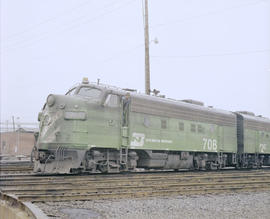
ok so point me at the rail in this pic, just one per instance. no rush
(32, 188)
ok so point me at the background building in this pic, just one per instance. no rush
(17, 140)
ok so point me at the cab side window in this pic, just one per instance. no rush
(112, 100)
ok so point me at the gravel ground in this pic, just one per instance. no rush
(238, 205)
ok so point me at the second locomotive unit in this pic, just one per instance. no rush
(98, 128)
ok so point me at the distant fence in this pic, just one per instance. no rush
(13, 127)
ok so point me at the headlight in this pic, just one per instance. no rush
(50, 100)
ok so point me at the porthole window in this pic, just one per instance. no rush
(181, 126)
(193, 128)
(201, 129)
(146, 122)
(163, 124)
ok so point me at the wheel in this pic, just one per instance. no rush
(103, 167)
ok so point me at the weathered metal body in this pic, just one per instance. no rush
(99, 128)
(253, 140)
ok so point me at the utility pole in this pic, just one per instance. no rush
(13, 123)
(146, 41)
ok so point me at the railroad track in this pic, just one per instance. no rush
(32, 188)
(18, 167)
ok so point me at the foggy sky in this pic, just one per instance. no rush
(215, 51)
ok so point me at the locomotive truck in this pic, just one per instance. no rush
(100, 128)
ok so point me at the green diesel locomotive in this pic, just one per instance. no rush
(99, 128)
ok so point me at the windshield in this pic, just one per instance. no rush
(71, 92)
(92, 93)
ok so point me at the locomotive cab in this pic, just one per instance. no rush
(73, 129)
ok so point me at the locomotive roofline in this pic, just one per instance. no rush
(255, 118)
(168, 101)
(107, 89)
(255, 122)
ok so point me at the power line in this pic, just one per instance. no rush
(213, 55)
(37, 25)
(74, 26)
(77, 19)
(210, 13)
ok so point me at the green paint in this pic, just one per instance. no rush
(256, 141)
(172, 138)
(102, 128)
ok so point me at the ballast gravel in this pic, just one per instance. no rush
(238, 205)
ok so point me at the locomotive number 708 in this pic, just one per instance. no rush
(209, 144)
